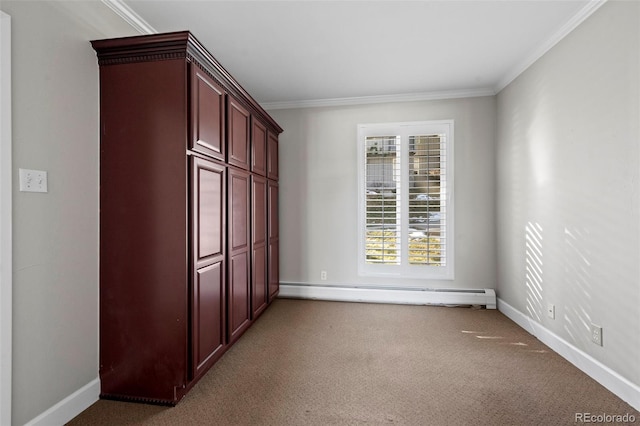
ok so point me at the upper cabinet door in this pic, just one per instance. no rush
(272, 156)
(207, 115)
(258, 147)
(238, 128)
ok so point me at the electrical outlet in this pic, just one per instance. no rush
(596, 334)
(33, 180)
(323, 275)
(551, 311)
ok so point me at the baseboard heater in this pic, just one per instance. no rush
(411, 296)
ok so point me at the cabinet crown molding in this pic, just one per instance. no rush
(176, 45)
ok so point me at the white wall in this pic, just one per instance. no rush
(55, 235)
(568, 167)
(319, 197)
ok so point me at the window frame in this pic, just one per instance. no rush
(404, 130)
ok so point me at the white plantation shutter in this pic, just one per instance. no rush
(383, 199)
(427, 200)
(406, 184)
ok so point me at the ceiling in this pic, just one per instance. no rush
(286, 53)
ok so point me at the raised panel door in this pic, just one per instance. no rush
(239, 293)
(260, 280)
(273, 240)
(238, 128)
(272, 156)
(274, 268)
(208, 211)
(208, 314)
(273, 200)
(208, 292)
(208, 113)
(258, 210)
(238, 210)
(259, 244)
(258, 147)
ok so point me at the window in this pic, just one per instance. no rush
(405, 199)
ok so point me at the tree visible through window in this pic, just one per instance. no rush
(405, 207)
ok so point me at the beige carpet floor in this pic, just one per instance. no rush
(330, 363)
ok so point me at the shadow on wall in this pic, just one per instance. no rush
(600, 270)
(591, 269)
(533, 270)
(577, 264)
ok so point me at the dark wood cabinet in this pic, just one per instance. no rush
(274, 240)
(260, 291)
(182, 271)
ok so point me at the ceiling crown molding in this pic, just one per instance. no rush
(143, 27)
(131, 17)
(576, 20)
(362, 100)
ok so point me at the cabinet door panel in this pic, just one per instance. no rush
(239, 310)
(259, 277)
(258, 147)
(208, 323)
(274, 230)
(259, 210)
(238, 128)
(259, 244)
(272, 156)
(239, 253)
(208, 108)
(208, 291)
(208, 205)
(239, 210)
(274, 268)
(273, 238)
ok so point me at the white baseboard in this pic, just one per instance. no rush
(407, 296)
(70, 407)
(620, 386)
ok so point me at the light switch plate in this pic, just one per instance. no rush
(33, 180)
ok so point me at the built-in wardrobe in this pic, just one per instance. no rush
(188, 214)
